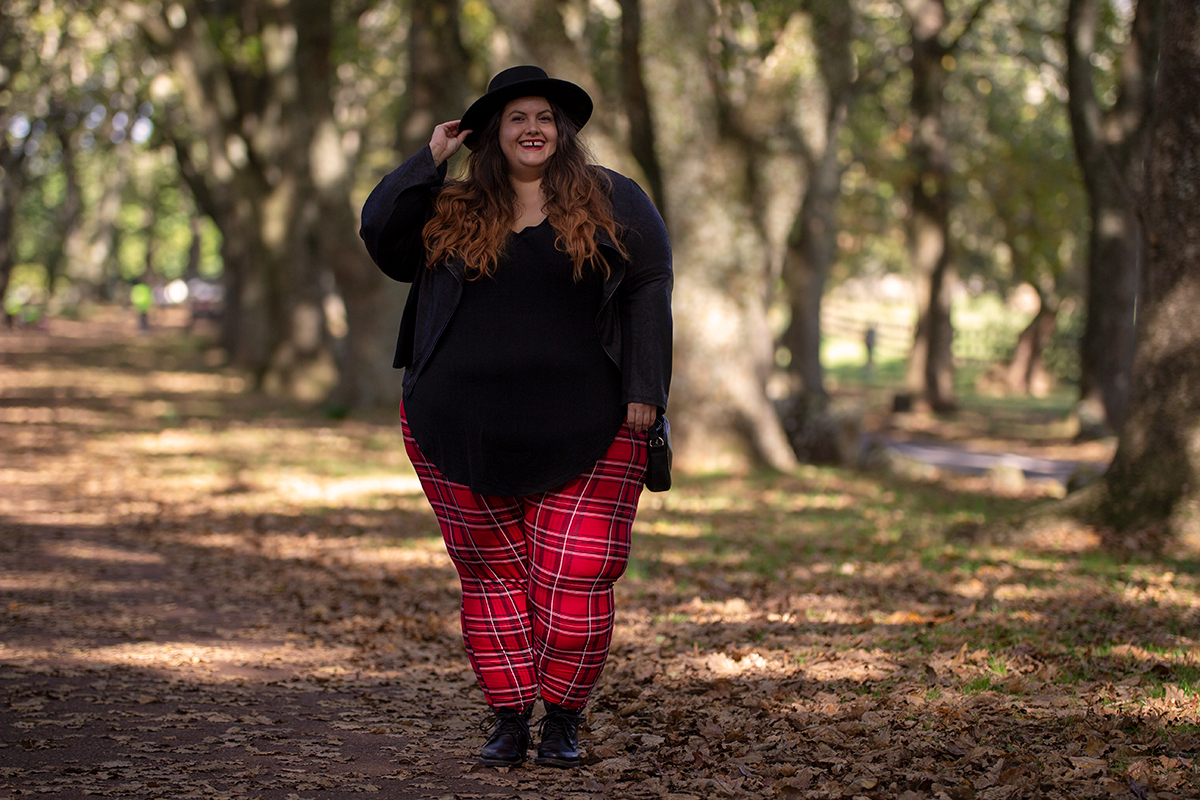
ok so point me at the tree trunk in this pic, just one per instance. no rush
(12, 154)
(267, 161)
(642, 140)
(244, 327)
(812, 243)
(930, 373)
(1026, 373)
(192, 270)
(10, 197)
(1110, 148)
(68, 216)
(724, 349)
(438, 83)
(99, 268)
(1154, 482)
(329, 235)
(233, 140)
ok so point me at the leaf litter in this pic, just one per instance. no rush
(204, 594)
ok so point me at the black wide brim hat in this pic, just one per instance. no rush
(524, 81)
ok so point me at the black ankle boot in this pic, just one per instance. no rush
(509, 742)
(560, 737)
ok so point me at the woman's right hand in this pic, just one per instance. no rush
(446, 140)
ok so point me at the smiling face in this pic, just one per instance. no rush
(528, 136)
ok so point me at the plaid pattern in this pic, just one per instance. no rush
(537, 573)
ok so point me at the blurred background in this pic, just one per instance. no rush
(880, 209)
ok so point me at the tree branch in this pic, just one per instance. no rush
(980, 7)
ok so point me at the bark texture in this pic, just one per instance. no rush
(930, 374)
(1154, 482)
(1026, 372)
(261, 149)
(812, 242)
(438, 83)
(711, 129)
(642, 139)
(1110, 145)
(10, 197)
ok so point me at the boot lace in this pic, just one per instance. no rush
(504, 720)
(559, 722)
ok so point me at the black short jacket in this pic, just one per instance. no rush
(634, 322)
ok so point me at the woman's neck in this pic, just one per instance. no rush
(529, 202)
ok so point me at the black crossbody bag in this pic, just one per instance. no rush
(658, 467)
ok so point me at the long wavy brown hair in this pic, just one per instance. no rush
(472, 218)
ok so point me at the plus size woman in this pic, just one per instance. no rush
(536, 341)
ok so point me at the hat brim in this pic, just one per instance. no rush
(572, 99)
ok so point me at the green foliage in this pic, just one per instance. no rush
(82, 72)
(1019, 211)
(103, 199)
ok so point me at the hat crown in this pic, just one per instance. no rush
(516, 75)
(525, 81)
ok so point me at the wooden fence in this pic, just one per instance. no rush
(893, 324)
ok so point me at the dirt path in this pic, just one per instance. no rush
(154, 647)
(138, 665)
(205, 595)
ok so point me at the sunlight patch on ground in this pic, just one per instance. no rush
(431, 553)
(682, 529)
(197, 662)
(312, 489)
(94, 552)
(792, 501)
(42, 415)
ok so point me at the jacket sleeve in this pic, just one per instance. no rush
(396, 211)
(645, 300)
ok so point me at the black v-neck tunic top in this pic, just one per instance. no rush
(519, 396)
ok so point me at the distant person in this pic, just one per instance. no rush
(142, 297)
(537, 346)
(869, 343)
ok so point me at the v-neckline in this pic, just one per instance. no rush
(532, 227)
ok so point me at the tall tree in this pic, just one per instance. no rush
(642, 138)
(812, 242)
(1154, 482)
(70, 212)
(12, 148)
(259, 137)
(10, 193)
(718, 78)
(930, 372)
(1110, 144)
(438, 72)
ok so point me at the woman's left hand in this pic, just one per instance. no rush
(640, 416)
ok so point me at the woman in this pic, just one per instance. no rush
(537, 343)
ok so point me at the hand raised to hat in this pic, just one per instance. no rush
(446, 140)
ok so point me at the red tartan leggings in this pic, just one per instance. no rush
(537, 573)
